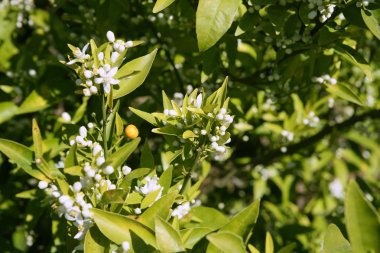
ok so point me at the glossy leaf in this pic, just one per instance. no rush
(122, 154)
(95, 241)
(242, 223)
(7, 111)
(269, 247)
(168, 239)
(353, 57)
(191, 236)
(208, 217)
(117, 227)
(141, 67)
(362, 221)
(161, 4)
(22, 156)
(34, 102)
(213, 19)
(227, 242)
(344, 92)
(160, 208)
(145, 116)
(334, 241)
(371, 22)
(37, 139)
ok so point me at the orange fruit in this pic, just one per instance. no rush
(131, 131)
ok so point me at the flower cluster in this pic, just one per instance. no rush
(325, 9)
(364, 3)
(72, 206)
(22, 7)
(311, 120)
(98, 72)
(325, 79)
(150, 184)
(195, 123)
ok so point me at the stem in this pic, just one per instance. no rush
(104, 114)
(188, 174)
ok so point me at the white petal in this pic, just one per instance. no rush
(98, 80)
(114, 81)
(85, 48)
(107, 88)
(112, 72)
(110, 36)
(102, 72)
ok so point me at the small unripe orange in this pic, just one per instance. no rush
(131, 131)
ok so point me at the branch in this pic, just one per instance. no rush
(293, 148)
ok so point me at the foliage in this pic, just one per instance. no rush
(126, 169)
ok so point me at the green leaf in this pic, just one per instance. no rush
(227, 242)
(161, 4)
(147, 159)
(288, 248)
(243, 222)
(71, 159)
(73, 171)
(334, 241)
(168, 130)
(37, 140)
(269, 247)
(208, 217)
(352, 56)
(22, 156)
(213, 19)
(189, 134)
(160, 208)
(78, 115)
(29, 194)
(119, 125)
(114, 196)
(150, 199)
(168, 239)
(140, 65)
(122, 154)
(145, 116)
(34, 102)
(191, 236)
(371, 22)
(362, 221)
(343, 91)
(117, 227)
(95, 241)
(166, 179)
(137, 173)
(7, 111)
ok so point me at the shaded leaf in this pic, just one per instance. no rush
(362, 221)
(343, 91)
(95, 242)
(371, 22)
